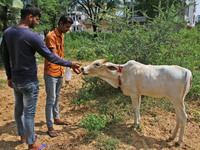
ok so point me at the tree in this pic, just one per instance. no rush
(9, 13)
(51, 10)
(149, 6)
(96, 9)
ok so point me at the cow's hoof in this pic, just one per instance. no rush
(177, 144)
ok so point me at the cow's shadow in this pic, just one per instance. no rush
(128, 135)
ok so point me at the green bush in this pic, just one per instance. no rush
(77, 45)
(2, 81)
(194, 93)
(94, 122)
(107, 144)
(196, 115)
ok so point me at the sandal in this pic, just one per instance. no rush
(52, 133)
(44, 146)
(36, 136)
(63, 123)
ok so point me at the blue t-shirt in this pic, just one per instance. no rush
(19, 46)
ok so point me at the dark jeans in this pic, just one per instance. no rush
(26, 96)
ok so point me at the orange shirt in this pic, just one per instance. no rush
(56, 40)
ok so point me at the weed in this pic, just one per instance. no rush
(94, 122)
(107, 143)
(153, 114)
(137, 127)
(84, 96)
(40, 85)
(196, 115)
(148, 103)
(2, 81)
(78, 102)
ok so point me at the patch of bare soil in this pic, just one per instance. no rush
(155, 130)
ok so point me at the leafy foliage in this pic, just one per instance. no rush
(94, 122)
(196, 115)
(51, 11)
(9, 13)
(149, 7)
(107, 144)
(2, 82)
(96, 10)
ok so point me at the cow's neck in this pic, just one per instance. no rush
(115, 79)
(111, 81)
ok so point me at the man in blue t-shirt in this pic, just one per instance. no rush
(19, 46)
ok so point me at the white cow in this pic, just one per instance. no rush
(136, 79)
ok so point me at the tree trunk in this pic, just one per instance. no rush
(54, 22)
(94, 30)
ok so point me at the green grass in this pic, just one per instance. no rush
(107, 143)
(2, 82)
(196, 115)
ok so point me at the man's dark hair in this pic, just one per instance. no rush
(65, 19)
(30, 9)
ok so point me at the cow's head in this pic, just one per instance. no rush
(104, 70)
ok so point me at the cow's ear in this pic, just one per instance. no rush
(104, 61)
(111, 68)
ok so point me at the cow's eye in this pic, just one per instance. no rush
(97, 64)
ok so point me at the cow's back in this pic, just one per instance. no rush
(154, 80)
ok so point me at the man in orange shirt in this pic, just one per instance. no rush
(53, 74)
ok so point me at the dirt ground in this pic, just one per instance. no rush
(153, 136)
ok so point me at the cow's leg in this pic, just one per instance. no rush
(181, 118)
(136, 100)
(175, 130)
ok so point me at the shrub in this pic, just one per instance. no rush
(107, 144)
(2, 81)
(94, 122)
(196, 115)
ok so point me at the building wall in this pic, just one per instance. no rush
(190, 13)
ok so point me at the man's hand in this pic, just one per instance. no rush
(75, 66)
(10, 83)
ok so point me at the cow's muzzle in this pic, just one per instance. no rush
(83, 71)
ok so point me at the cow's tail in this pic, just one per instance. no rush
(188, 83)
